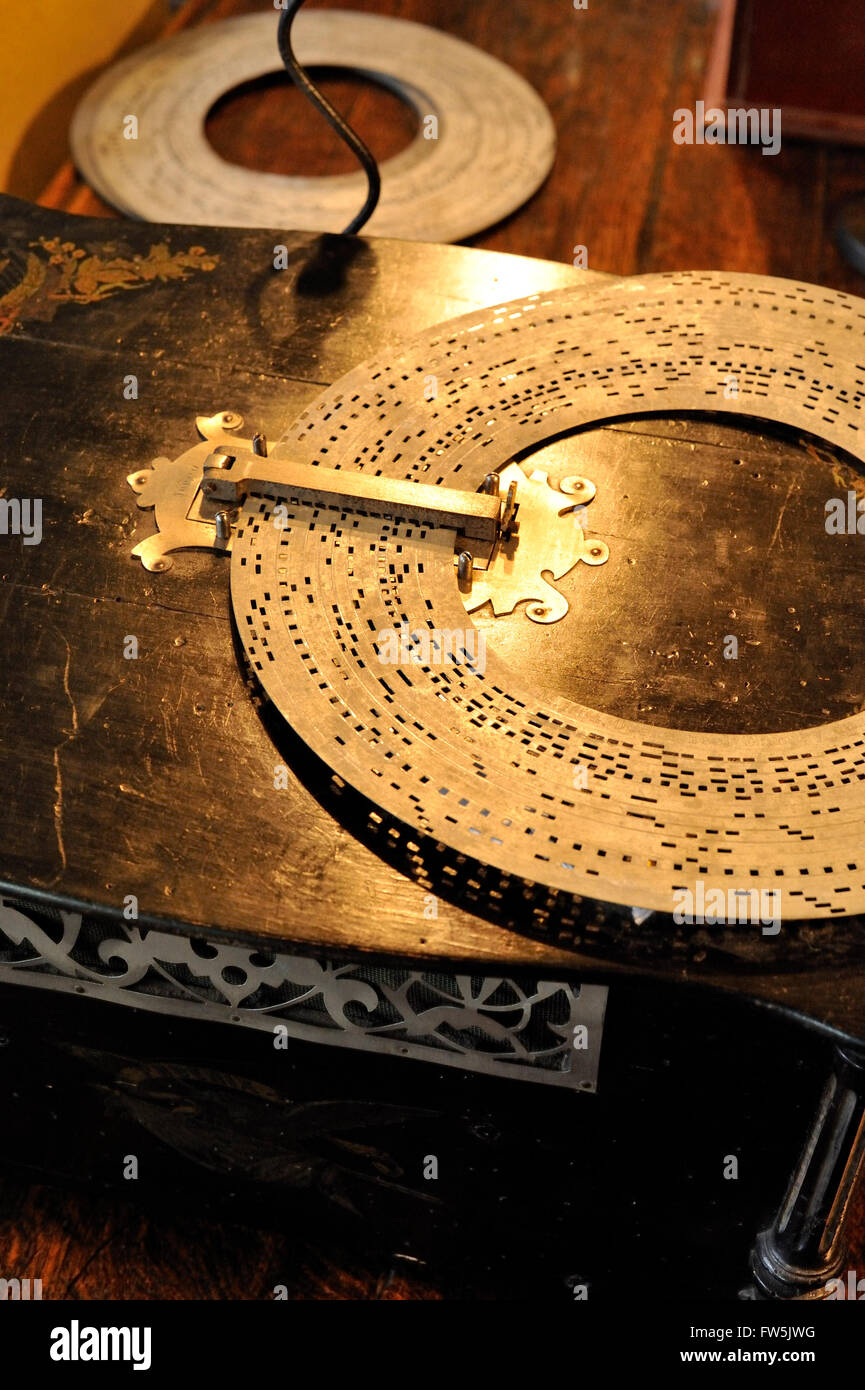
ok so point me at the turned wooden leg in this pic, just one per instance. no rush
(805, 1246)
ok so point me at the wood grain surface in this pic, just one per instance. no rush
(612, 76)
(123, 775)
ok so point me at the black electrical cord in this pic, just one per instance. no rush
(302, 79)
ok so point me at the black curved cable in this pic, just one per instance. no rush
(302, 79)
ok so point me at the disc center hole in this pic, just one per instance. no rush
(268, 125)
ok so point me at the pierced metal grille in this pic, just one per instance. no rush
(525, 1031)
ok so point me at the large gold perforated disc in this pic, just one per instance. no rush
(482, 761)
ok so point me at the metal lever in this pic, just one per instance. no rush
(229, 476)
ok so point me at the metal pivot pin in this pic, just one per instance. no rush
(465, 567)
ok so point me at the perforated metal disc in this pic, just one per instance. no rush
(495, 142)
(484, 763)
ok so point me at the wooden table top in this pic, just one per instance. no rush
(154, 776)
